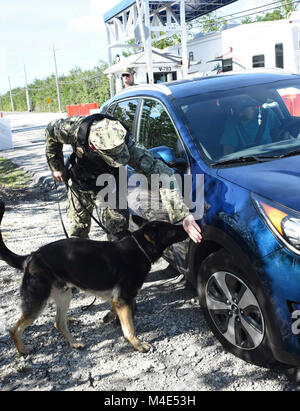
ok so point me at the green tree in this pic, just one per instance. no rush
(279, 13)
(209, 23)
(167, 42)
(77, 87)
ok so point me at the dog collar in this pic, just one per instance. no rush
(141, 248)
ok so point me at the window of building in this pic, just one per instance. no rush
(258, 61)
(163, 77)
(279, 55)
(227, 65)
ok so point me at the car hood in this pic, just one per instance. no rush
(278, 180)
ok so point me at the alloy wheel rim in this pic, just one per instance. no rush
(234, 310)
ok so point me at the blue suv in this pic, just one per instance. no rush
(242, 133)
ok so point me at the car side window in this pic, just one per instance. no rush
(110, 110)
(156, 128)
(125, 112)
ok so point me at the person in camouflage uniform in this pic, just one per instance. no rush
(108, 146)
(127, 77)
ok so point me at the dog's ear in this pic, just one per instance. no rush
(149, 239)
(2, 209)
(139, 221)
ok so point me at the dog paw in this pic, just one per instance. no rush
(25, 350)
(109, 317)
(78, 345)
(143, 346)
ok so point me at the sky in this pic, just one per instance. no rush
(30, 28)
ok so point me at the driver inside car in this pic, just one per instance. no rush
(248, 125)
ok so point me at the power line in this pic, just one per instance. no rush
(82, 79)
(216, 20)
(41, 88)
(66, 82)
(254, 8)
(30, 88)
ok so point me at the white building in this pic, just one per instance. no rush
(270, 44)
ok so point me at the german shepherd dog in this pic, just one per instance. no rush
(113, 271)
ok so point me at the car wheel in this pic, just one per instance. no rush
(231, 302)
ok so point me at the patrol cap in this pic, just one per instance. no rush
(128, 70)
(108, 139)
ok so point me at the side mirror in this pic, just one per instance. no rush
(163, 153)
(167, 155)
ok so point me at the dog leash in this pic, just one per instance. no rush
(60, 213)
(98, 222)
(141, 248)
(95, 219)
(85, 307)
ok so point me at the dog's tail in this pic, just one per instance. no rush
(12, 259)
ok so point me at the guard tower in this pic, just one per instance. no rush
(149, 21)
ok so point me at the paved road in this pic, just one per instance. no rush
(29, 143)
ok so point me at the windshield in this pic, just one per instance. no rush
(260, 121)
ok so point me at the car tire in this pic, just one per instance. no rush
(232, 304)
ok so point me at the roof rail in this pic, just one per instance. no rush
(158, 87)
(274, 70)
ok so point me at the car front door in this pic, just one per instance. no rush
(157, 132)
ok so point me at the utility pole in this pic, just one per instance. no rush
(143, 10)
(27, 93)
(11, 96)
(183, 40)
(57, 83)
(110, 62)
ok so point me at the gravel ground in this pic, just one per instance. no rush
(185, 354)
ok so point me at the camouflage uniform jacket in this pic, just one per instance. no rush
(64, 131)
(131, 85)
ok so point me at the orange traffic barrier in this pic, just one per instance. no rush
(81, 109)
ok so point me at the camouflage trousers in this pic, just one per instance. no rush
(81, 204)
(150, 207)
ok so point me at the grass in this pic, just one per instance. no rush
(11, 176)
